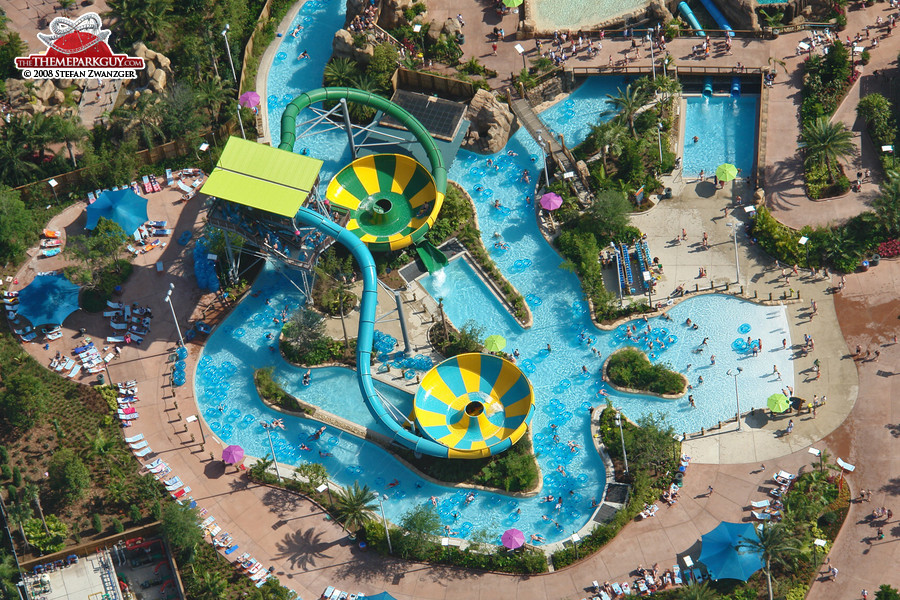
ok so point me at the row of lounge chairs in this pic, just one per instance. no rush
(92, 196)
(331, 593)
(645, 585)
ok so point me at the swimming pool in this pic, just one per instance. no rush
(726, 132)
(575, 14)
(232, 409)
(584, 108)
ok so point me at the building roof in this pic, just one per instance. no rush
(263, 177)
(440, 117)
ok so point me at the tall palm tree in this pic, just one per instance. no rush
(609, 139)
(19, 514)
(15, 168)
(776, 545)
(39, 133)
(887, 205)
(366, 83)
(32, 493)
(212, 93)
(340, 72)
(69, 129)
(356, 506)
(697, 591)
(626, 104)
(826, 143)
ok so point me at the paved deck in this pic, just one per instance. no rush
(310, 553)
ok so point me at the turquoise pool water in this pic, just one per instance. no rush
(726, 132)
(574, 14)
(231, 408)
(574, 116)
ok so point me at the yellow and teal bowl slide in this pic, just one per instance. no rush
(391, 198)
(475, 404)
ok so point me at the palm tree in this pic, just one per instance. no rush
(340, 72)
(366, 83)
(213, 586)
(773, 21)
(19, 514)
(9, 572)
(69, 129)
(626, 105)
(826, 143)
(776, 546)
(32, 493)
(608, 137)
(697, 591)
(39, 133)
(887, 205)
(211, 94)
(356, 506)
(15, 168)
(840, 247)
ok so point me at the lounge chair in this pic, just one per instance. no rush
(132, 249)
(784, 477)
(185, 188)
(112, 313)
(626, 589)
(642, 587)
(185, 490)
(214, 530)
(676, 575)
(139, 445)
(262, 581)
(328, 591)
(169, 180)
(616, 589)
(760, 504)
(603, 595)
(698, 575)
(173, 484)
(74, 372)
(144, 452)
(119, 327)
(135, 188)
(154, 463)
(162, 232)
(207, 522)
(91, 197)
(115, 339)
(29, 337)
(161, 472)
(147, 187)
(157, 224)
(134, 439)
(154, 183)
(128, 417)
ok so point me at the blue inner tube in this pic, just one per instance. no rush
(744, 329)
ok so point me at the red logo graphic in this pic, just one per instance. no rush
(79, 44)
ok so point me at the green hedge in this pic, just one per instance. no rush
(630, 368)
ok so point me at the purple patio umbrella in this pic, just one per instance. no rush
(233, 455)
(513, 538)
(551, 201)
(249, 99)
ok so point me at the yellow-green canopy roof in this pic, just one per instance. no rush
(262, 177)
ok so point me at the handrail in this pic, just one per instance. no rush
(680, 69)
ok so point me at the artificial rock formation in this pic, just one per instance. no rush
(491, 123)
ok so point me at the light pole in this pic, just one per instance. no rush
(737, 397)
(325, 488)
(387, 534)
(168, 300)
(540, 140)
(622, 435)
(53, 183)
(802, 241)
(737, 262)
(266, 425)
(652, 56)
(659, 128)
(521, 50)
(234, 75)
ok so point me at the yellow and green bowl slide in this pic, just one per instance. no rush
(475, 404)
(391, 198)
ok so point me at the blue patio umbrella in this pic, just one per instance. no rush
(122, 206)
(381, 596)
(721, 555)
(48, 300)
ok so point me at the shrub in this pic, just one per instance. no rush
(632, 369)
(134, 513)
(865, 57)
(97, 523)
(45, 542)
(4, 455)
(16, 476)
(117, 524)
(68, 476)
(5, 472)
(22, 405)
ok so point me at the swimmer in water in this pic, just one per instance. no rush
(303, 55)
(394, 483)
(304, 447)
(433, 500)
(696, 139)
